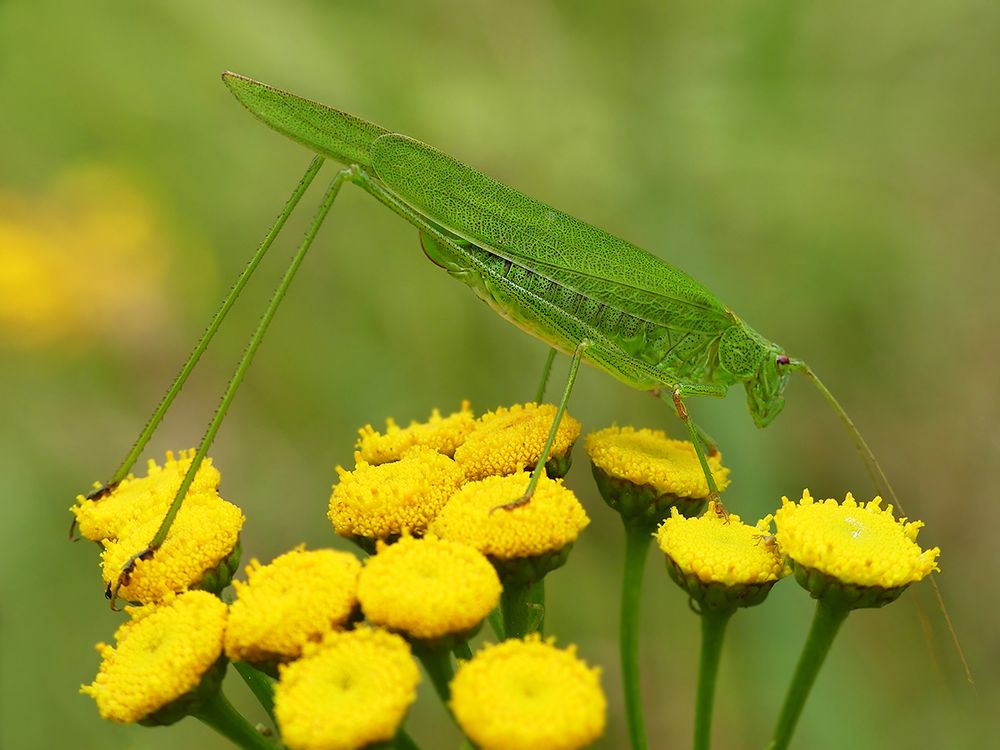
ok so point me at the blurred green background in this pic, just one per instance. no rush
(831, 171)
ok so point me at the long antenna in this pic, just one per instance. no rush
(882, 483)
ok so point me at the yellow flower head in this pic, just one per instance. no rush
(201, 551)
(442, 434)
(88, 260)
(720, 561)
(294, 600)
(509, 440)
(135, 500)
(858, 544)
(549, 522)
(351, 691)
(648, 458)
(162, 655)
(376, 502)
(528, 695)
(428, 588)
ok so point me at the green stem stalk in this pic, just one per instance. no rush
(437, 664)
(546, 371)
(825, 624)
(260, 685)
(713, 630)
(405, 741)
(637, 539)
(219, 714)
(515, 603)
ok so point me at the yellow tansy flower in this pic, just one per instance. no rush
(201, 551)
(552, 520)
(162, 656)
(857, 544)
(510, 440)
(378, 502)
(442, 434)
(719, 560)
(88, 260)
(350, 692)
(428, 588)
(528, 695)
(641, 473)
(137, 499)
(294, 600)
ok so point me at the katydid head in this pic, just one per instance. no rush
(766, 387)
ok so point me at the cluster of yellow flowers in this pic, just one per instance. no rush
(435, 506)
(340, 635)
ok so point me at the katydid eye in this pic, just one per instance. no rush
(783, 359)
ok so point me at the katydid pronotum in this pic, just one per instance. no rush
(579, 289)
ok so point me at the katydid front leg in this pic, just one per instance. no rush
(697, 436)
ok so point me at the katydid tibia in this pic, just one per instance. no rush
(579, 289)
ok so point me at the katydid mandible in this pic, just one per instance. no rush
(579, 289)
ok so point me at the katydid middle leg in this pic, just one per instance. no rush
(574, 367)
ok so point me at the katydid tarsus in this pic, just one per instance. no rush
(579, 289)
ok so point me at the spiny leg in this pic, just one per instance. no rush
(677, 396)
(175, 387)
(540, 464)
(234, 384)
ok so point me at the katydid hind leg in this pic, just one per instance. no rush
(574, 367)
(233, 386)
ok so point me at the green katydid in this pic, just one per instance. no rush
(577, 288)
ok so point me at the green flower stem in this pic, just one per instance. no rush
(536, 602)
(515, 602)
(713, 630)
(637, 539)
(825, 625)
(496, 623)
(462, 650)
(405, 741)
(437, 664)
(219, 714)
(260, 685)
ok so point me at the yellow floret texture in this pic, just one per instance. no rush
(428, 588)
(351, 691)
(717, 549)
(137, 499)
(441, 434)
(857, 543)
(161, 654)
(204, 533)
(509, 440)
(649, 457)
(380, 501)
(551, 520)
(528, 695)
(294, 600)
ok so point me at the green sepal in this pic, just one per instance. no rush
(643, 505)
(840, 594)
(218, 578)
(557, 467)
(717, 596)
(191, 701)
(526, 571)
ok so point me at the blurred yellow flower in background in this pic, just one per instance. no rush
(87, 260)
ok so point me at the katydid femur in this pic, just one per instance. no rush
(579, 289)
